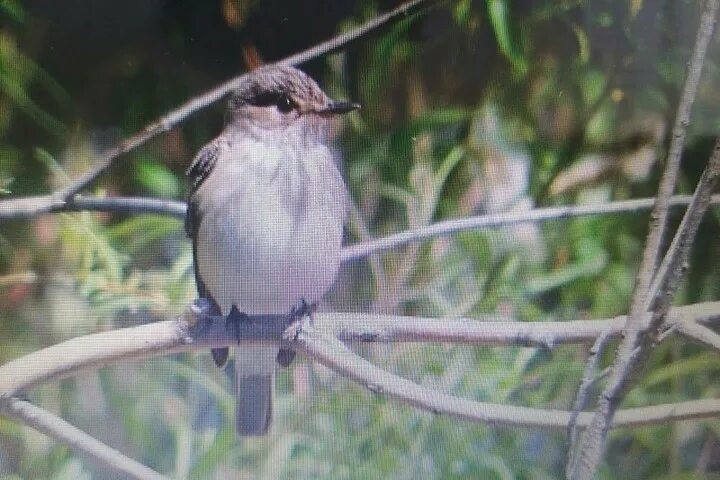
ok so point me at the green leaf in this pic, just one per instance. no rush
(462, 11)
(20, 98)
(499, 12)
(14, 9)
(157, 178)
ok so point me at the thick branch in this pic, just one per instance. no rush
(588, 379)
(668, 276)
(93, 351)
(333, 354)
(634, 348)
(58, 429)
(96, 350)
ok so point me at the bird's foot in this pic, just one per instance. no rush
(232, 324)
(197, 313)
(299, 314)
(233, 321)
(301, 310)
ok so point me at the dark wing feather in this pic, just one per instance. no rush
(197, 173)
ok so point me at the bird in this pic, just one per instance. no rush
(266, 210)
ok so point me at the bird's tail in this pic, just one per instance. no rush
(254, 384)
(253, 411)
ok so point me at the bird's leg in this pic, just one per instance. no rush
(233, 321)
(299, 312)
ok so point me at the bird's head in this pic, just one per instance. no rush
(279, 97)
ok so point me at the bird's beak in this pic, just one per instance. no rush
(340, 107)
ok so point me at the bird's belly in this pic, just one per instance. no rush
(262, 259)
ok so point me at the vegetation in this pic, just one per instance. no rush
(469, 107)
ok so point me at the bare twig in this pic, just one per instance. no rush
(587, 381)
(28, 207)
(673, 264)
(700, 334)
(58, 429)
(634, 346)
(646, 329)
(341, 41)
(201, 101)
(449, 227)
(32, 206)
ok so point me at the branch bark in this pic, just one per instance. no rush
(20, 208)
(333, 354)
(58, 429)
(193, 331)
(643, 331)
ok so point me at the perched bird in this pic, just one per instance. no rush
(266, 212)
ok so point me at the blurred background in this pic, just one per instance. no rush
(469, 107)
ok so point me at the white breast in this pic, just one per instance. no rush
(271, 225)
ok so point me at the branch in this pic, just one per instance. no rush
(28, 207)
(588, 379)
(636, 344)
(449, 227)
(700, 334)
(58, 429)
(639, 336)
(333, 354)
(192, 331)
(199, 102)
(673, 265)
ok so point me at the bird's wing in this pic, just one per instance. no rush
(201, 167)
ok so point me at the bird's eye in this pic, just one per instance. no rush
(285, 104)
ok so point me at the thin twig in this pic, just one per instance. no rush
(669, 270)
(58, 429)
(449, 227)
(201, 101)
(700, 334)
(28, 207)
(634, 346)
(20, 208)
(588, 379)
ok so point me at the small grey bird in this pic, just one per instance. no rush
(265, 214)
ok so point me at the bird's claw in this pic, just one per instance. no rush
(299, 315)
(301, 310)
(233, 321)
